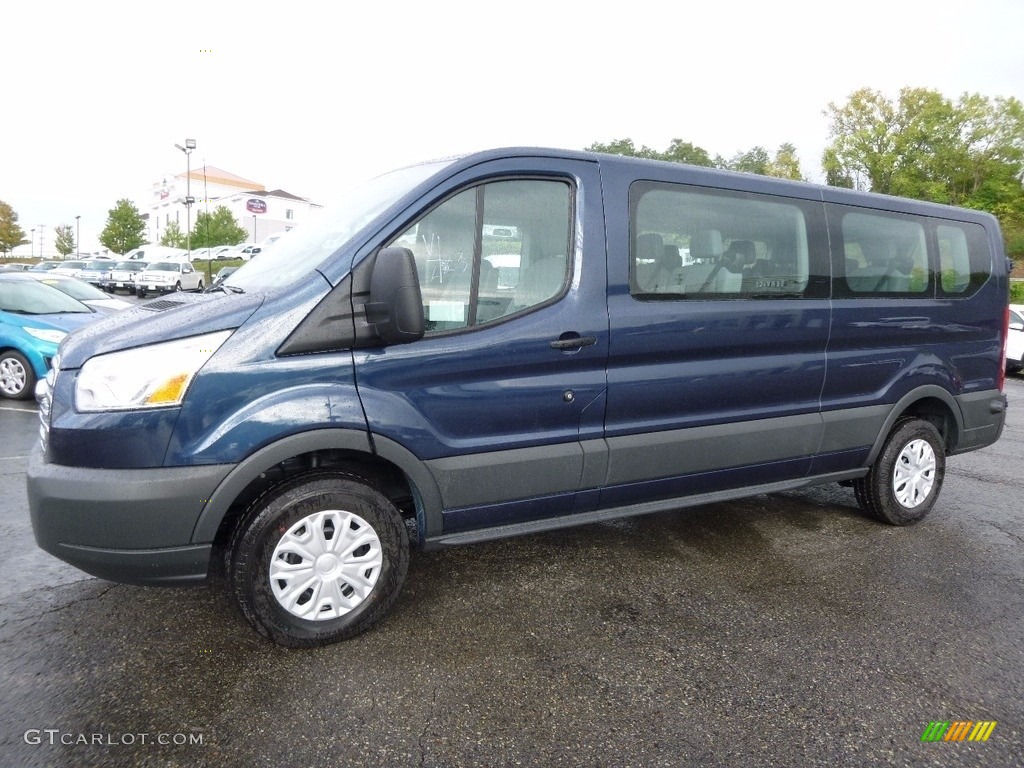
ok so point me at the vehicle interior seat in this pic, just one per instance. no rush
(883, 273)
(649, 254)
(706, 251)
(538, 282)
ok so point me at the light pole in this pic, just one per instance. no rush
(78, 236)
(190, 144)
(32, 246)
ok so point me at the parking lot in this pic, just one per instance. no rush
(782, 630)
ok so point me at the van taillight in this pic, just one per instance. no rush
(1001, 374)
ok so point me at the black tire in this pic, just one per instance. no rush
(276, 515)
(17, 377)
(200, 288)
(908, 446)
(141, 293)
(177, 287)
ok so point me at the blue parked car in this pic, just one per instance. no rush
(512, 342)
(34, 319)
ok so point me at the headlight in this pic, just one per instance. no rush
(46, 334)
(156, 376)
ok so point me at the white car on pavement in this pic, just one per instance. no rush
(1015, 339)
(168, 276)
(69, 268)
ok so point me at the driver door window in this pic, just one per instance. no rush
(492, 251)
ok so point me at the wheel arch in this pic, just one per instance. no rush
(405, 482)
(931, 403)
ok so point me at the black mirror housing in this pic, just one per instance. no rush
(395, 308)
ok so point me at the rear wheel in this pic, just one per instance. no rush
(200, 288)
(318, 559)
(906, 478)
(177, 287)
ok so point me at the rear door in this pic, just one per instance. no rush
(504, 397)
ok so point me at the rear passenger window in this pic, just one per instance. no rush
(884, 254)
(964, 259)
(492, 251)
(696, 244)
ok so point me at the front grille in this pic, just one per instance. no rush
(43, 396)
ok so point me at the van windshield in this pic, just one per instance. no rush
(307, 246)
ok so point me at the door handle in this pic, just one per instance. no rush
(568, 341)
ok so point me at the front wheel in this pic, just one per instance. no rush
(200, 288)
(906, 478)
(17, 378)
(318, 559)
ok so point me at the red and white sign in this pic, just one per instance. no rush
(252, 205)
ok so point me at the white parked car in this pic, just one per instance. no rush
(69, 268)
(95, 272)
(167, 276)
(122, 276)
(1015, 339)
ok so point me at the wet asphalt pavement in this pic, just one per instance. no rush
(783, 630)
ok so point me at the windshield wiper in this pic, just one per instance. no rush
(226, 288)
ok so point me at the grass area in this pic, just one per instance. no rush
(1017, 291)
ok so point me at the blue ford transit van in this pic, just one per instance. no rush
(509, 342)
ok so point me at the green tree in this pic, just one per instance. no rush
(64, 241)
(173, 237)
(11, 235)
(622, 147)
(925, 146)
(786, 163)
(678, 151)
(217, 228)
(124, 229)
(755, 160)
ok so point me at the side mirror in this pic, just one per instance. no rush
(395, 308)
(1017, 326)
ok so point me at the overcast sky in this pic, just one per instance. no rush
(314, 98)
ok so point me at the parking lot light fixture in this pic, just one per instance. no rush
(78, 236)
(190, 144)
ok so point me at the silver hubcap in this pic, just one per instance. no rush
(12, 376)
(914, 475)
(325, 565)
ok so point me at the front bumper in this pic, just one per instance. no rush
(132, 526)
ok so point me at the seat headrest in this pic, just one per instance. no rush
(742, 252)
(706, 244)
(671, 259)
(649, 246)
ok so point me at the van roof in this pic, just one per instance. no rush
(704, 176)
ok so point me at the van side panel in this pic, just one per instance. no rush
(701, 385)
